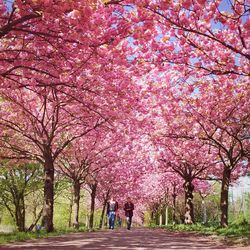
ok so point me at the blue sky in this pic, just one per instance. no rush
(9, 3)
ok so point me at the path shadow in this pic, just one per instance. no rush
(122, 239)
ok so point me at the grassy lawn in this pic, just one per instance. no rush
(22, 236)
(234, 234)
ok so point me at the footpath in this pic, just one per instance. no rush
(122, 239)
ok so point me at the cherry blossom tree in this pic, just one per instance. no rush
(220, 120)
(123, 177)
(83, 161)
(143, 68)
(190, 160)
(39, 128)
(52, 70)
(180, 35)
(44, 43)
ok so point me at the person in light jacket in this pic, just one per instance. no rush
(112, 208)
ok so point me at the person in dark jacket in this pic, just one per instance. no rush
(112, 208)
(129, 208)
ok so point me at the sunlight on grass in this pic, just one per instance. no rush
(234, 233)
(22, 236)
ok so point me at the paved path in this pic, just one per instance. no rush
(122, 239)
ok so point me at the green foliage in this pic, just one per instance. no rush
(61, 214)
(235, 230)
(21, 236)
(232, 230)
(235, 233)
(241, 220)
(16, 183)
(212, 203)
(19, 180)
(6, 218)
(239, 208)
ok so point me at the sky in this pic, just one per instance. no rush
(9, 3)
(242, 186)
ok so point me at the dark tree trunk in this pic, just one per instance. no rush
(174, 195)
(71, 208)
(102, 215)
(92, 206)
(224, 196)
(189, 206)
(23, 212)
(152, 216)
(34, 212)
(76, 201)
(48, 208)
(103, 209)
(20, 213)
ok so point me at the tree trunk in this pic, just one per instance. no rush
(224, 196)
(189, 206)
(102, 215)
(76, 202)
(204, 210)
(103, 210)
(166, 215)
(20, 213)
(23, 212)
(92, 206)
(152, 216)
(34, 212)
(87, 221)
(71, 208)
(48, 193)
(174, 195)
(160, 218)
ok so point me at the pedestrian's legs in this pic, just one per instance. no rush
(129, 220)
(112, 220)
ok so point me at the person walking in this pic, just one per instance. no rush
(112, 208)
(129, 208)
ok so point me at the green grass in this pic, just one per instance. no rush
(233, 234)
(22, 236)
